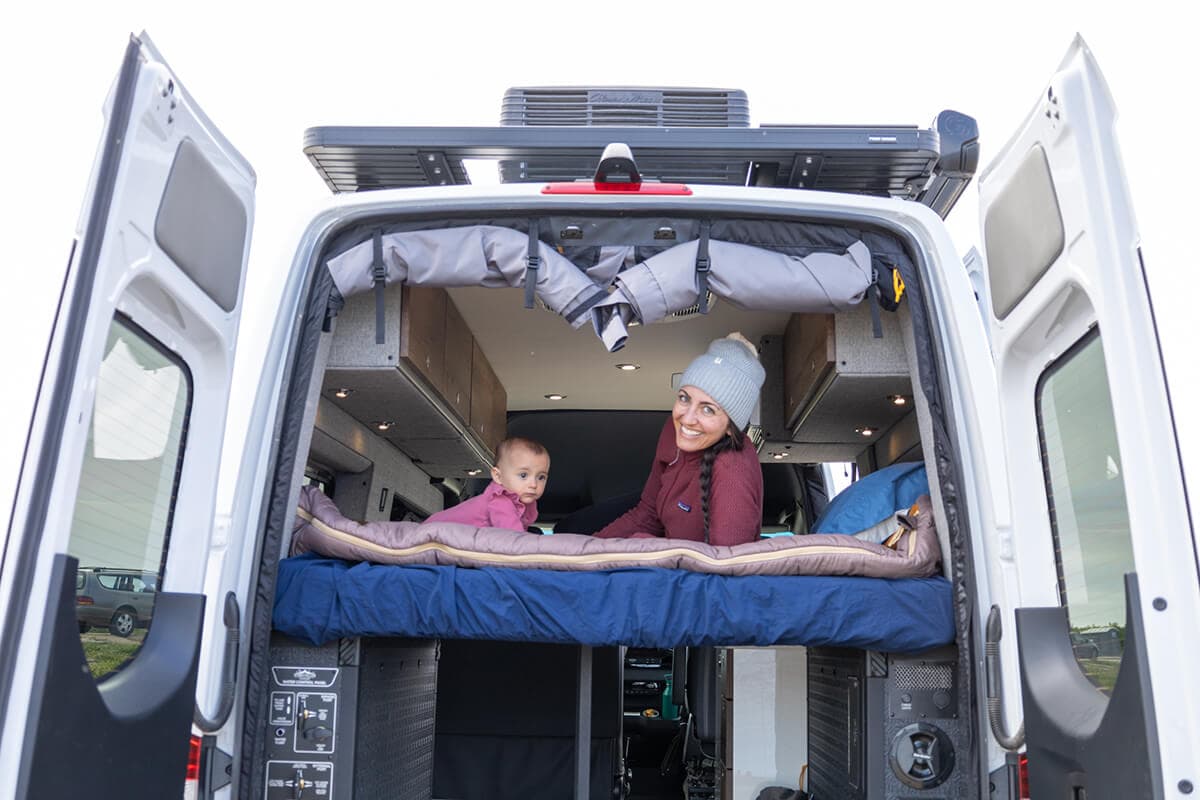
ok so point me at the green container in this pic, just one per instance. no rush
(669, 711)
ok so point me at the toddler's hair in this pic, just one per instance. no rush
(537, 448)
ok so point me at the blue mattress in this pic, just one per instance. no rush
(319, 599)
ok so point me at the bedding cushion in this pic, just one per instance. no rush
(320, 599)
(321, 528)
(873, 498)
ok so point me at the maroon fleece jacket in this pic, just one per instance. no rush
(670, 503)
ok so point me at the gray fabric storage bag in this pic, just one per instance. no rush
(661, 285)
(747, 276)
(482, 255)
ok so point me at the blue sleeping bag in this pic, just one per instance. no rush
(873, 498)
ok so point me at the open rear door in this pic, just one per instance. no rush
(102, 574)
(1098, 564)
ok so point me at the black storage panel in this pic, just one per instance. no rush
(351, 719)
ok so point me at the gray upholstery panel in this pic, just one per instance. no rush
(1022, 232)
(202, 225)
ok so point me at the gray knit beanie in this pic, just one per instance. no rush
(730, 373)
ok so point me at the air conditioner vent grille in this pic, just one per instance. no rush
(625, 106)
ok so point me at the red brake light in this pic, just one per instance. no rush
(590, 187)
(84, 600)
(1023, 776)
(193, 763)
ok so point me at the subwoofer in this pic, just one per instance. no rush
(887, 726)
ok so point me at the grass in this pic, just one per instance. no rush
(1102, 672)
(106, 653)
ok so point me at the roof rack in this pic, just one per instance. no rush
(932, 166)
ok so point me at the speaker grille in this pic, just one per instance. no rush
(923, 676)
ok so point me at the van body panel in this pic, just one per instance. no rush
(1092, 459)
(141, 278)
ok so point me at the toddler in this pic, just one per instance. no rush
(510, 500)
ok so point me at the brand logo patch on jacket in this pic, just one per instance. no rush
(684, 506)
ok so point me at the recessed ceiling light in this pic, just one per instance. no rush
(383, 424)
(628, 367)
(474, 472)
(867, 431)
(556, 396)
(778, 455)
(343, 393)
(898, 399)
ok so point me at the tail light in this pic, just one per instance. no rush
(631, 187)
(1023, 777)
(191, 786)
(84, 600)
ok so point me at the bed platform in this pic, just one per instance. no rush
(321, 599)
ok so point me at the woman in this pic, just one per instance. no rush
(706, 483)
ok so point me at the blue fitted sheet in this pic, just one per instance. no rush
(319, 599)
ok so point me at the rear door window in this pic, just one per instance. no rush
(123, 511)
(1085, 484)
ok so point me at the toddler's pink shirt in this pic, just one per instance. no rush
(494, 507)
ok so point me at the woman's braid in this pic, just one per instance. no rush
(733, 441)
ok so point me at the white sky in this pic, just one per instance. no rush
(265, 72)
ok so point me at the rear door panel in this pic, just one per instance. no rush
(1100, 543)
(122, 463)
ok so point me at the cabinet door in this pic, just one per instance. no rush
(808, 355)
(489, 402)
(423, 333)
(460, 345)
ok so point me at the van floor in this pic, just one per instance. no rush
(649, 781)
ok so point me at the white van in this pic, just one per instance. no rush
(1028, 386)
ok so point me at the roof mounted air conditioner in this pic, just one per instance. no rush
(637, 106)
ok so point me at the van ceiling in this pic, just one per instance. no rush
(535, 353)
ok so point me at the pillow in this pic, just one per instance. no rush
(873, 498)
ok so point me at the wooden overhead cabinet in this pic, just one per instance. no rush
(489, 401)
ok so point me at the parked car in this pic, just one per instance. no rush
(119, 599)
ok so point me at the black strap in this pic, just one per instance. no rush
(586, 306)
(703, 265)
(873, 301)
(379, 272)
(532, 262)
(332, 308)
